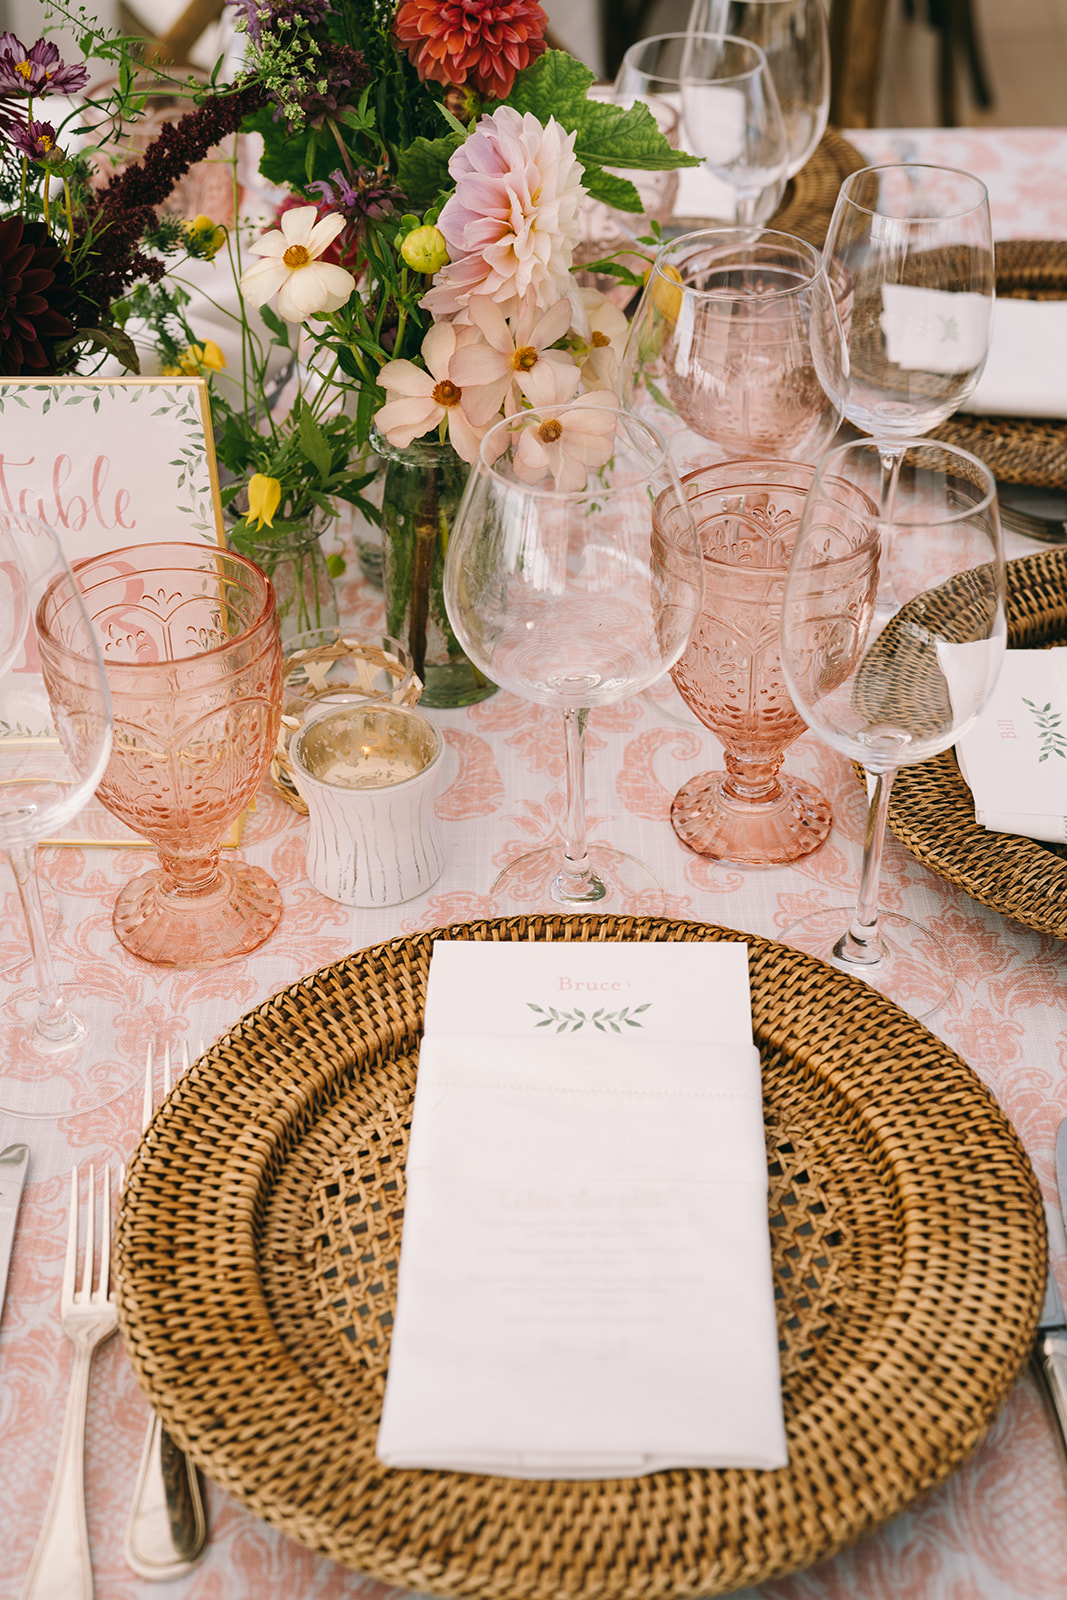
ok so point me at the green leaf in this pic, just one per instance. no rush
(619, 193)
(279, 328)
(313, 442)
(453, 122)
(422, 170)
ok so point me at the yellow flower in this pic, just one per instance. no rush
(264, 498)
(195, 359)
(207, 235)
(425, 250)
(666, 290)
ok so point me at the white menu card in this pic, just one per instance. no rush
(585, 1281)
(1014, 758)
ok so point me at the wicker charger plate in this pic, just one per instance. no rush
(931, 809)
(258, 1246)
(1029, 450)
(810, 196)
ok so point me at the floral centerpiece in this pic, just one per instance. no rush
(429, 161)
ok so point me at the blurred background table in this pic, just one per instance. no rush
(998, 1529)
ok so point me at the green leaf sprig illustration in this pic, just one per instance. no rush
(1053, 743)
(574, 1021)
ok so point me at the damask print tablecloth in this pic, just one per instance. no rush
(998, 1529)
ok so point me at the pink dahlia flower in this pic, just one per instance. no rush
(419, 401)
(513, 361)
(569, 443)
(512, 224)
(481, 42)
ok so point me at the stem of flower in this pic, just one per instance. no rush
(345, 157)
(68, 208)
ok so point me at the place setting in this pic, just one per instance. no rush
(541, 750)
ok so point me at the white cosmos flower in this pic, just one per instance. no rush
(290, 264)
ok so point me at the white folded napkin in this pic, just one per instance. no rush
(585, 1285)
(1026, 373)
(1014, 758)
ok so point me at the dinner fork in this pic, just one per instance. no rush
(61, 1568)
(167, 1529)
(1031, 526)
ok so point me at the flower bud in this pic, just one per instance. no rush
(206, 238)
(463, 103)
(425, 250)
(264, 498)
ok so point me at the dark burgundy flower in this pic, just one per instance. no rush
(32, 291)
(38, 141)
(37, 71)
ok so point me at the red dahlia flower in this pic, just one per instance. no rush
(480, 42)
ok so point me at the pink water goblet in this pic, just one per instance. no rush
(730, 674)
(190, 642)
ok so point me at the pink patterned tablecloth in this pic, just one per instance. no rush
(998, 1529)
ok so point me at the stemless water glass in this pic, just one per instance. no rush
(190, 643)
(794, 37)
(892, 688)
(573, 578)
(737, 340)
(725, 94)
(52, 756)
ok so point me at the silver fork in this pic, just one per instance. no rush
(167, 1529)
(1031, 526)
(61, 1568)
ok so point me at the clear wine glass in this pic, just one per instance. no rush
(892, 688)
(737, 343)
(50, 762)
(573, 579)
(794, 36)
(910, 252)
(730, 118)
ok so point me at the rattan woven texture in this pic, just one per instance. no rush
(1020, 449)
(810, 196)
(258, 1245)
(931, 810)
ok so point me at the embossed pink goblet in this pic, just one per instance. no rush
(730, 675)
(190, 641)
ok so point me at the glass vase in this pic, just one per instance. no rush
(421, 492)
(292, 556)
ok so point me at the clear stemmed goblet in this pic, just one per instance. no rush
(910, 252)
(724, 92)
(892, 688)
(794, 37)
(737, 340)
(730, 673)
(573, 579)
(52, 756)
(190, 643)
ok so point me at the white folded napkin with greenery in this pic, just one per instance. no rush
(585, 1285)
(1014, 758)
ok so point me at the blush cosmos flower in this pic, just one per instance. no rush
(513, 361)
(512, 224)
(419, 401)
(37, 71)
(290, 268)
(569, 442)
(481, 42)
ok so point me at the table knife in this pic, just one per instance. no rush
(13, 1163)
(1050, 1361)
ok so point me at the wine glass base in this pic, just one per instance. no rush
(916, 972)
(47, 1082)
(525, 887)
(710, 822)
(236, 916)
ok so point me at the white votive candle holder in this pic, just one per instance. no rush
(369, 776)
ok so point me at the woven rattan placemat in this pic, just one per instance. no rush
(931, 809)
(258, 1247)
(1020, 449)
(810, 196)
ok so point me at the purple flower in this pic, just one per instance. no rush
(368, 193)
(272, 14)
(37, 71)
(38, 141)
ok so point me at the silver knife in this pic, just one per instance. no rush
(1050, 1347)
(13, 1163)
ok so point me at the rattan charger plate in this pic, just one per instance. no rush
(258, 1245)
(1029, 450)
(931, 809)
(810, 196)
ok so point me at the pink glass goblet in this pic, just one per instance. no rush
(730, 674)
(190, 642)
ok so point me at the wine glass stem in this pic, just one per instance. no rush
(55, 1022)
(576, 881)
(891, 457)
(862, 944)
